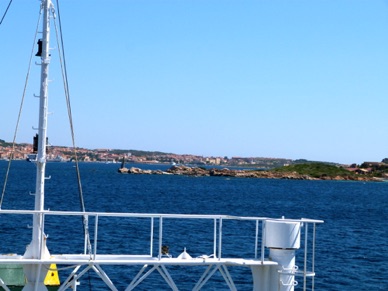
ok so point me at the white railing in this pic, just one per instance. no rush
(157, 224)
(217, 228)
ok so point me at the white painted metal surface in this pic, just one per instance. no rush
(281, 234)
(266, 271)
(37, 249)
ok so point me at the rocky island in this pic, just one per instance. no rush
(315, 171)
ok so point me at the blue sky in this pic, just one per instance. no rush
(265, 78)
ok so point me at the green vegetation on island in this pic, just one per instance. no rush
(316, 170)
(325, 171)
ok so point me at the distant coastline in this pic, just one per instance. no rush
(279, 168)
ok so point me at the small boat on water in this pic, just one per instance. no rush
(275, 244)
(56, 159)
(31, 158)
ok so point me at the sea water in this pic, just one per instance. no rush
(351, 245)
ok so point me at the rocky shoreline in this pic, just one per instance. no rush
(202, 172)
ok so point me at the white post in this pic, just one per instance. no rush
(36, 273)
(43, 110)
(282, 237)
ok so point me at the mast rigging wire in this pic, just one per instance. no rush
(61, 50)
(20, 112)
(67, 94)
(5, 13)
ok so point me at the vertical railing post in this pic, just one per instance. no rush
(305, 257)
(95, 237)
(152, 237)
(263, 240)
(256, 237)
(86, 218)
(160, 236)
(220, 240)
(313, 259)
(215, 238)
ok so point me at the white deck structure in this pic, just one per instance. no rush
(274, 273)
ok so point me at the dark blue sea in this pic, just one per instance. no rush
(351, 245)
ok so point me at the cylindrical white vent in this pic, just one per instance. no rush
(285, 270)
(281, 234)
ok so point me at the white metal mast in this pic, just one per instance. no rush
(36, 273)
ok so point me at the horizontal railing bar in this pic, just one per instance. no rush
(154, 215)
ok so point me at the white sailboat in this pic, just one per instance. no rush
(275, 244)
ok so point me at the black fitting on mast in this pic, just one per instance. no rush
(35, 144)
(40, 45)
